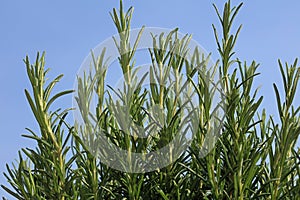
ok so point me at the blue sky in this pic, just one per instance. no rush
(68, 29)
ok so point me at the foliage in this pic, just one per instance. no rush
(254, 158)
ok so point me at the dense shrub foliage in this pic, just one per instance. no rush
(255, 156)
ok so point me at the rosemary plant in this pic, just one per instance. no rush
(251, 157)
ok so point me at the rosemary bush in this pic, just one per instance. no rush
(254, 157)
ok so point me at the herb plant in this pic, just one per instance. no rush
(254, 156)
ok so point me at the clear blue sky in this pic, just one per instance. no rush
(68, 29)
